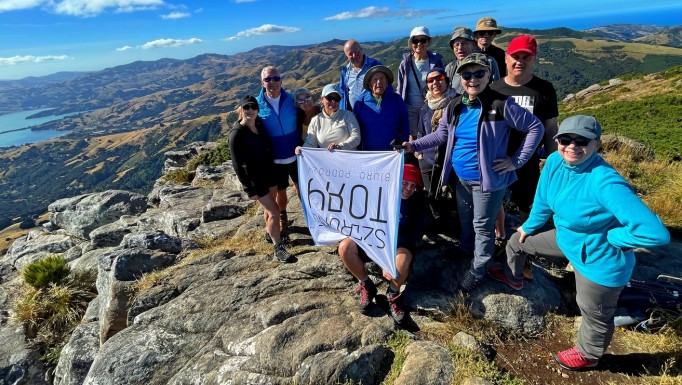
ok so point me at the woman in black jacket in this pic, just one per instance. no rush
(253, 163)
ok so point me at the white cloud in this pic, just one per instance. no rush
(95, 7)
(379, 12)
(175, 15)
(169, 43)
(15, 5)
(30, 59)
(265, 29)
(124, 48)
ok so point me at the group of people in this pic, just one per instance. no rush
(483, 127)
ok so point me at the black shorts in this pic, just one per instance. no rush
(283, 172)
(261, 186)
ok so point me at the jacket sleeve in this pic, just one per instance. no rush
(421, 128)
(403, 122)
(344, 90)
(436, 138)
(522, 120)
(353, 140)
(640, 227)
(313, 128)
(238, 159)
(401, 86)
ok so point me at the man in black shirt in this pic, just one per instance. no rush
(485, 32)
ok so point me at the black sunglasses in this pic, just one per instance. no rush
(438, 77)
(566, 140)
(333, 98)
(423, 40)
(485, 33)
(250, 106)
(274, 78)
(304, 99)
(478, 74)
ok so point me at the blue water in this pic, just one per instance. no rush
(18, 120)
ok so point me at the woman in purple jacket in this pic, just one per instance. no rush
(476, 127)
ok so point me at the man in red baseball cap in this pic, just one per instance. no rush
(410, 230)
(538, 96)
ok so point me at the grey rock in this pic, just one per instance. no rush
(77, 355)
(426, 363)
(36, 246)
(476, 381)
(225, 204)
(156, 240)
(469, 342)
(231, 182)
(210, 174)
(92, 312)
(177, 159)
(82, 214)
(90, 260)
(118, 271)
(109, 235)
(179, 212)
(217, 230)
(615, 82)
(341, 366)
(73, 253)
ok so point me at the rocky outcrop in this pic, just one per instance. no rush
(84, 213)
(235, 315)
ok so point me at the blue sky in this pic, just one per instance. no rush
(40, 37)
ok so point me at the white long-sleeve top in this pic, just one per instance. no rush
(341, 128)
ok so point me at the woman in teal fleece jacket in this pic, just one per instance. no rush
(599, 221)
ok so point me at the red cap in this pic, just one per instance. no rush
(411, 173)
(523, 43)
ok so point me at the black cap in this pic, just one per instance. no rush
(248, 99)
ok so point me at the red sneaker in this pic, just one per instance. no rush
(572, 359)
(498, 274)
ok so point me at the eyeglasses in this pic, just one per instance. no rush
(438, 77)
(423, 40)
(250, 106)
(566, 140)
(304, 99)
(485, 33)
(272, 79)
(333, 98)
(478, 74)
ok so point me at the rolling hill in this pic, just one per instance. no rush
(140, 110)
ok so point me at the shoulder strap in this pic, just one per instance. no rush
(414, 72)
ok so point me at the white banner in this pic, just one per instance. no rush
(353, 194)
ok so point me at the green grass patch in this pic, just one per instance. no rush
(49, 270)
(397, 343)
(472, 364)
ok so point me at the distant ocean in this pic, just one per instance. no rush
(17, 120)
(664, 17)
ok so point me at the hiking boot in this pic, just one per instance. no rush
(268, 238)
(572, 359)
(395, 306)
(367, 292)
(498, 274)
(283, 222)
(282, 254)
(470, 282)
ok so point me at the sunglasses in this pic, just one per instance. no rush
(333, 98)
(566, 140)
(485, 33)
(478, 74)
(250, 106)
(304, 99)
(438, 77)
(423, 40)
(272, 79)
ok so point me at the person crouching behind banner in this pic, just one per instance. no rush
(410, 229)
(252, 161)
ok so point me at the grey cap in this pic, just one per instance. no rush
(474, 58)
(380, 68)
(330, 89)
(463, 32)
(583, 125)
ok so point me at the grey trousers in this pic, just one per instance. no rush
(597, 305)
(542, 244)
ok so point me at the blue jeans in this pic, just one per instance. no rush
(477, 212)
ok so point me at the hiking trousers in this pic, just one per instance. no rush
(542, 244)
(597, 305)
